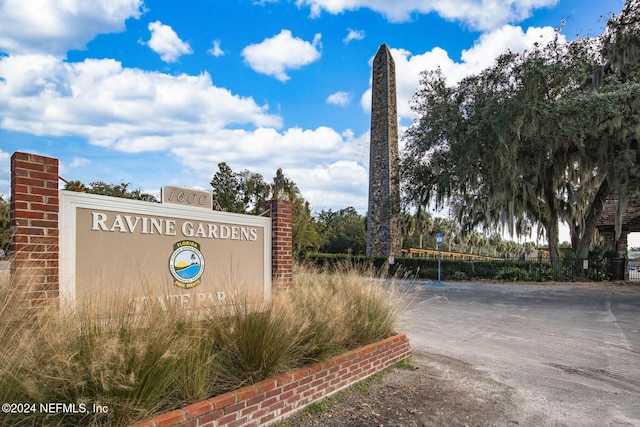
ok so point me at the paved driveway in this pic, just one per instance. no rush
(570, 352)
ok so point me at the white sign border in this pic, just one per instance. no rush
(70, 201)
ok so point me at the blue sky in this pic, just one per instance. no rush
(157, 93)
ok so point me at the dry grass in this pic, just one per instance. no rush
(139, 361)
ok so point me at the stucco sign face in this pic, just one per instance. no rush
(186, 264)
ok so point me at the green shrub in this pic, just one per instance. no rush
(512, 273)
(460, 275)
(533, 269)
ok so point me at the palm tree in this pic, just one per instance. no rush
(450, 231)
(423, 224)
(474, 241)
(407, 226)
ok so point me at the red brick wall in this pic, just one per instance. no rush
(282, 243)
(34, 226)
(272, 399)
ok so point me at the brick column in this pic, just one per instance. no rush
(35, 207)
(281, 246)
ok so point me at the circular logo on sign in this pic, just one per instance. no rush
(186, 264)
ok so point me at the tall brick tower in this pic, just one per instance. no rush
(383, 219)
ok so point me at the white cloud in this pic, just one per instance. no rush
(341, 183)
(354, 35)
(216, 50)
(79, 162)
(273, 56)
(100, 100)
(4, 163)
(134, 111)
(76, 162)
(493, 44)
(327, 166)
(5, 173)
(482, 55)
(54, 27)
(479, 14)
(166, 43)
(265, 147)
(339, 98)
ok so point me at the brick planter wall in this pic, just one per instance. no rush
(270, 400)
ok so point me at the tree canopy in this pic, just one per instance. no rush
(230, 191)
(541, 136)
(114, 190)
(246, 191)
(344, 231)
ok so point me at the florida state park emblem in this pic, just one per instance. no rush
(186, 264)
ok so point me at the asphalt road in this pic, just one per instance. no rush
(570, 352)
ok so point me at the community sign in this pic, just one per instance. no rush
(175, 252)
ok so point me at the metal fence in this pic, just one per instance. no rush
(634, 270)
(460, 267)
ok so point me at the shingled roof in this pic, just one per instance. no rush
(630, 218)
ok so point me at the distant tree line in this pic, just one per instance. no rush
(114, 190)
(344, 231)
(341, 231)
(245, 192)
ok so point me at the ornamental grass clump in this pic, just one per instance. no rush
(254, 340)
(364, 305)
(123, 358)
(137, 360)
(15, 327)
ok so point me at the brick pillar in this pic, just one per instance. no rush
(35, 206)
(281, 246)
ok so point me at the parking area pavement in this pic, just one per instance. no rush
(570, 352)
